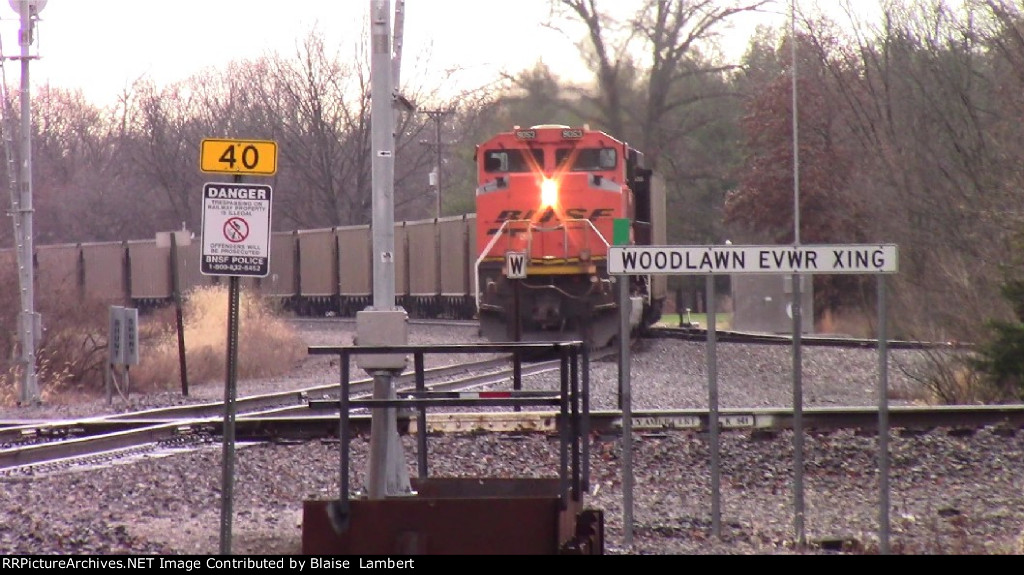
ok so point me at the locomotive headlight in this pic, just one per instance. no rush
(548, 192)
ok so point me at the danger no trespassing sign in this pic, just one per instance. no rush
(236, 229)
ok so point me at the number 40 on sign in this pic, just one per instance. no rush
(241, 157)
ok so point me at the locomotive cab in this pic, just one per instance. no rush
(546, 201)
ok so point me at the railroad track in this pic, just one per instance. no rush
(278, 427)
(903, 419)
(306, 412)
(312, 412)
(728, 336)
(351, 321)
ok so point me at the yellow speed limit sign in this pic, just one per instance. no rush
(238, 156)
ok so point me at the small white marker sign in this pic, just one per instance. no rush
(515, 265)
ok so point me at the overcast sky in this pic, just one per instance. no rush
(101, 46)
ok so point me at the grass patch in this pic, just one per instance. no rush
(267, 345)
(72, 354)
(722, 320)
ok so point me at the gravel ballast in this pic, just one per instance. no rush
(951, 493)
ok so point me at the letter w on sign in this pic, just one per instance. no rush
(515, 265)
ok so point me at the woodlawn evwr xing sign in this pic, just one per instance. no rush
(236, 229)
(729, 259)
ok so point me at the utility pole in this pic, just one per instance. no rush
(29, 322)
(384, 323)
(437, 116)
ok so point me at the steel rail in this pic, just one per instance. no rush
(277, 427)
(18, 432)
(904, 420)
(87, 436)
(727, 336)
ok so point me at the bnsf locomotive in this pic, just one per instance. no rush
(547, 198)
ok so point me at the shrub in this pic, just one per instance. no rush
(267, 346)
(72, 353)
(1000, 359)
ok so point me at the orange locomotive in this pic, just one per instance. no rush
(547, 199)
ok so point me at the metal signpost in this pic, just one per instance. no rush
(235, 242)
(173, 241)
(620, 236)
(712, 361)
(515, 271)
(796, 260)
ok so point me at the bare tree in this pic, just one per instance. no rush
(644, 65)
(319, 108)
(913, 102)
(156, 134)
(81, 185)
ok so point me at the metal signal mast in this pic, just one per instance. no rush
(384, 323)
(29, 322)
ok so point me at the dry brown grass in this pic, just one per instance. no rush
(73, 351)
(267, 345)
(853, 324)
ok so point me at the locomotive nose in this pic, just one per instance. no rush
(547, 312)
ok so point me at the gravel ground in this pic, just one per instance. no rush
(950, 493)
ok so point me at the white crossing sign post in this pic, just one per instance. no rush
(236, 229)
(709, 260)
(809, 259)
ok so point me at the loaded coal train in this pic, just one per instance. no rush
(547, 200)
(312, 272)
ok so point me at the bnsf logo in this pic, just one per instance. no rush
(548, 216)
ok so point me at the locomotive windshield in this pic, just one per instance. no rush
(512, 160)
(588, 159)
